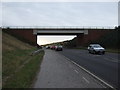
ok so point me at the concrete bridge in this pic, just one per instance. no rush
(84, 35)
(59, 32)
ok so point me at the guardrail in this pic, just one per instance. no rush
(36, 52)
(58, 27)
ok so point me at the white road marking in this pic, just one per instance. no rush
(95, 55)
(76, 71)
(108, 59)
(90, 73)
(94, 75)
(115, 59)
(85, 79)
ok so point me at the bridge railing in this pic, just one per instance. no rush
(59, 27)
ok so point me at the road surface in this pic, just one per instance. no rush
(58, 72)
(103, 66)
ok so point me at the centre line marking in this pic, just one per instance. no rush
(110, 60)
(76, 71)
(86, 80)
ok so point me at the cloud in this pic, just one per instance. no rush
(59, 14)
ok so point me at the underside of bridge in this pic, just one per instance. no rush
(83, 36)
(60, 32)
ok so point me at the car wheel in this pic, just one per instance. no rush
(88, 51)
(103, 53)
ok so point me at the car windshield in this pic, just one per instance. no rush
(97, 46)
(60, 46)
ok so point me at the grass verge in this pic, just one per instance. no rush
(24, 77)
(19, 68)
(13, 59)
(113, 50)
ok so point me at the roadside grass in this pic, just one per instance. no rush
(11, 43)
(113, 50)
(14, 53)
(19, 67)
(11, 60)
(24, 77)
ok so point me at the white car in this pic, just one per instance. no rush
(96, 48)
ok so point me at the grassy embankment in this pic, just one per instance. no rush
(19, 68)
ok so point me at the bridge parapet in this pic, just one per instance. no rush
(63, 30)
(58, 27)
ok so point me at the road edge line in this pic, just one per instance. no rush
(96, 77)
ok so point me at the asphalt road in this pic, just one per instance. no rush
(57, 71)
(103, 66)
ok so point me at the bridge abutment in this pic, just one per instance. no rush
(24, 35)
(84, 39)
(84, 36)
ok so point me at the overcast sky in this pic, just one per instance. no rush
(104, 14)
(60, 14)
